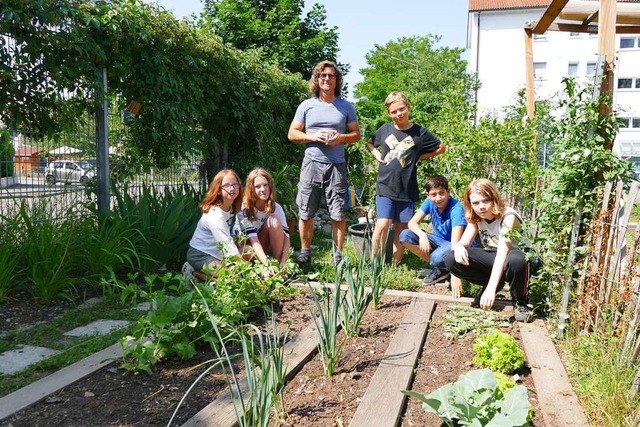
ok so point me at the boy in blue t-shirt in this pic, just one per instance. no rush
(448, 223)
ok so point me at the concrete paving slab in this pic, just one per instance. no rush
(99, 327)
(16, 360)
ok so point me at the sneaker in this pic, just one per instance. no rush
(476, 301)
(424, 273)
(436, 276)
(187, 270)
(337, 258)
(303, 258)
(522, 314)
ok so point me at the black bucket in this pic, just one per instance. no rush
(361, 238)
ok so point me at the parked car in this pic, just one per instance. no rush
(69, 171)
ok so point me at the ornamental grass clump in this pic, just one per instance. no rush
(499, 352)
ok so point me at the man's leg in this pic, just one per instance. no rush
(379, 237)
(338, 229)
(398, 248)
(410, 241)
(308, 201)
(335, 190)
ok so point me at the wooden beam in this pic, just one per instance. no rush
(549, 16)
(592, 29)
(528, 48)
(590, 18)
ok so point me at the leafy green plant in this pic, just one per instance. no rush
(326, 316)
(179, 320)
(357, 298)
(475, 400)
(461, 319)
(498, 351)
(7, 154)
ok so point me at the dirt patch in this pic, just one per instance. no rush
(113, 397)
(443, 360)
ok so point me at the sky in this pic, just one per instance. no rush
(364, 23)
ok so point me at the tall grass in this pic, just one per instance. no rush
(601, 381)
(9, 244)
(47, 265)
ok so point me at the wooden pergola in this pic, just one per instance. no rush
(604, 17)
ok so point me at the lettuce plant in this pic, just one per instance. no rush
(499, 352)
(475, 400)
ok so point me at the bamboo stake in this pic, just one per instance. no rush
(563, 316)
(602, 232)
(610, 241)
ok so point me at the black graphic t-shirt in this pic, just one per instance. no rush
(397, 176)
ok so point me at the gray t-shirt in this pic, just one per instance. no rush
(315, 115)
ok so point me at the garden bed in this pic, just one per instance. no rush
(113, 397)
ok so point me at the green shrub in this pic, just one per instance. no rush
(499, 352)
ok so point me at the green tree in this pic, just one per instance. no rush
(276, 28)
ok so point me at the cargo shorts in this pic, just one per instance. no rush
(317, 178)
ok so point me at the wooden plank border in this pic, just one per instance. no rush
(383, 401)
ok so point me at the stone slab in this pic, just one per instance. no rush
(16, 360)
(99, 327)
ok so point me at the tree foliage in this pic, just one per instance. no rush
(277, 29)
(198, 95)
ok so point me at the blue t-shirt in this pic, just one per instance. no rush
(443, 223)
(315, 115)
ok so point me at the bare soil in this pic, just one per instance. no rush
(113, 397)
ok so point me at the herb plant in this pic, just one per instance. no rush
(498, 351)
(475, 400)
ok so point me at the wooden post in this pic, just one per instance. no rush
(528, 48)
(606, 47)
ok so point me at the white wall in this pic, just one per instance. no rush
(496, 43)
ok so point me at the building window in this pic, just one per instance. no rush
(635, 123)
(539, 37)
(637, 83)
(572, 70)
(630, 123)
(539, 70)
(574, 35)
(627, 42)
(624, 122)
(624, 83)
(591, 69)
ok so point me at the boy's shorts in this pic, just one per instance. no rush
(399, 211)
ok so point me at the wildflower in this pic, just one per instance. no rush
(586, 152)
(575, 157)
(562, 156)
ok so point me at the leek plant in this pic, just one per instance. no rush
(357, 298)
(375, 278)
(326, 317)
(263, 358)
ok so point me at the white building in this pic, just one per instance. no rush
(496, 43)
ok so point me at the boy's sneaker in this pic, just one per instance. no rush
(424, 273)
(436, 276)
(522, 314)
(303, 258)
(187, 270)
(337, 257)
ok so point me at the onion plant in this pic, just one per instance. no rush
(326, 316)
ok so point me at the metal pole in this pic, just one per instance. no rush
(102, 142)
